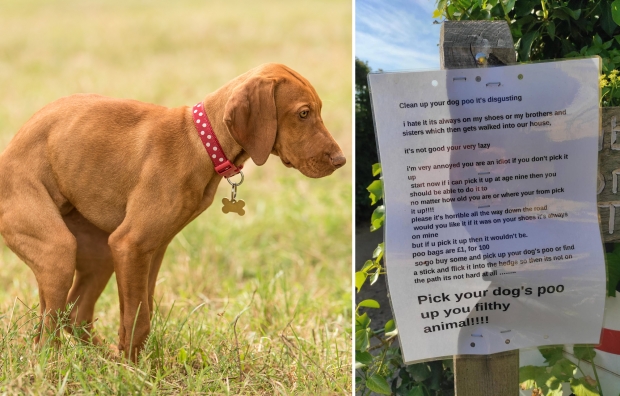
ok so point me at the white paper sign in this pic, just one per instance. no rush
(492, 238)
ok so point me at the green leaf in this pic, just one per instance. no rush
(416, 391)
(362, 322)
(369, 304)
(612, 260)
(376, 169)
(374, 277)
(376, 191)
(367, 266)
(182, 356)
(377, 254)
(449, 364)
(597, 40)
(436, 367)
(556, 391)
(559, 13)
(528, 375)
(563, 370)
(362, 340)
(584, 352)
(549, 384)
(552, 354)
(378, 384)
(363, 357)
(360, 278)
(450, 9)
(551, 29)
(607, 22)
(377, 218)
(419, 371)
(389, 326)
(523, 8)
(615, 11)
(581, 387)
(610, 66)
(525, 45)
(484, 15)
(508, 5)
(572, 13)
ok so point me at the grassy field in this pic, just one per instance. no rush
(259, 304)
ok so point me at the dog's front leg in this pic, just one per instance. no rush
(153, 271)
(131, 264)
(138, 246)
(132, 282)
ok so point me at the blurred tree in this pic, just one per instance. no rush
(365, 144)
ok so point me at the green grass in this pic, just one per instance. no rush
(278, 278)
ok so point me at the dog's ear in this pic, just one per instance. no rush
(250, 115)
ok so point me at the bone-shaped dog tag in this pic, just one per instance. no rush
(233, 206)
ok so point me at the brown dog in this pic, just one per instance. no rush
(93, 185)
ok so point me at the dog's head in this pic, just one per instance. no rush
(276, 111)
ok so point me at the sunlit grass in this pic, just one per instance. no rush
(283, 270)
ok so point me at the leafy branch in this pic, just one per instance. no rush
(547, 380)
(380, 367)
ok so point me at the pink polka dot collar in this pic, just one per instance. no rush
(209, 141)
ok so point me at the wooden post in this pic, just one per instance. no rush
(459, 45)
(608, 188)
(459, 42)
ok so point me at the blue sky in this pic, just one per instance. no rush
(396, 35)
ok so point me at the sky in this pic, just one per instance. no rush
(397, 35)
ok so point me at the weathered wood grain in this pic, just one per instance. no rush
(460, 41)
(608, 190)
(487, 375)
(497, 374)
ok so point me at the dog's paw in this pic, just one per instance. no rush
(233, 206)
(114, 353)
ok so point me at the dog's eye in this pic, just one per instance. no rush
(303, 114)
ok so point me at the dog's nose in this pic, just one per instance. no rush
(338, 161)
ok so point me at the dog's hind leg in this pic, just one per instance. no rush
(33, 228)
(94, 267)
